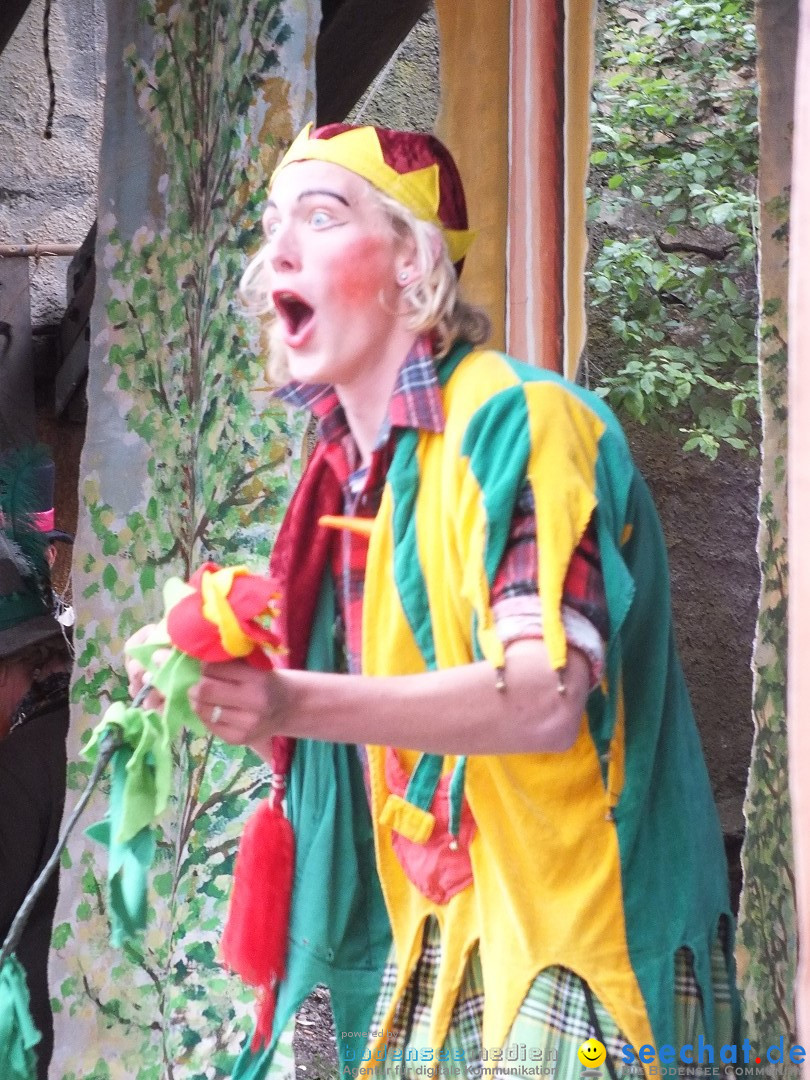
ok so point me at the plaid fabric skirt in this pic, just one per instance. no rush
(558, 1014)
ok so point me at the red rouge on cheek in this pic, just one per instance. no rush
(359, 275)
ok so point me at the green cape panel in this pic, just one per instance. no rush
(339, 930)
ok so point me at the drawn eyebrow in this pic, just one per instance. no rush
(310, 193)
(323, 191)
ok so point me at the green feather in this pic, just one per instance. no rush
(20, 540)
(16, 556)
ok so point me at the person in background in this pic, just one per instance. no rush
(29, 473)
(34, 716)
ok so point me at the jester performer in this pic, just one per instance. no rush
(506, 842)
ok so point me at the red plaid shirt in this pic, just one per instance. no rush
(417, 403)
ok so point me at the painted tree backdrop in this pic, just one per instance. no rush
(186, 458)
(767, 937)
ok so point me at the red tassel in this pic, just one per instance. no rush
(254, 942)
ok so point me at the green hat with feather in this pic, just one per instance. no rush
(26, 598)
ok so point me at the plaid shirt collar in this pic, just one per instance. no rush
(415, 403)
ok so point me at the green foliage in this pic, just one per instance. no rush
(675, 155)
(182, 350)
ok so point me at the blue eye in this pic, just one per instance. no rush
(270, 228)
(319, 218)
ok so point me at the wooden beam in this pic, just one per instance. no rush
(17, 418)
(74, 331)
(11, 11)
(357, 39)
(474, 123)
(551, 58)
(37, 251)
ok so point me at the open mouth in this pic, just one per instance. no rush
(295, 313)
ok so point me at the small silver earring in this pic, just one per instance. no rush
(402, 276)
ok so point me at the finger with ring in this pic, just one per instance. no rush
(216, 714)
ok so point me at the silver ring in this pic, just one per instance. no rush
(216, 714)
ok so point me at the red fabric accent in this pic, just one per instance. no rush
(436, 868)
(415, 403)
(265, 1012)
(251, 596)
(350, 552)
(407, 151)
(301, 552)
(283, 749)
(254, 942)
(43, 521)
(584, 587)
(297, 563)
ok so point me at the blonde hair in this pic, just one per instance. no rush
(434, 303)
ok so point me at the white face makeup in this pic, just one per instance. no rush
(333, 270)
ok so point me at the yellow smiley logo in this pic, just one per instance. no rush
(592, 1053)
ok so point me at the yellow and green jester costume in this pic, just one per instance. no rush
(575, 856)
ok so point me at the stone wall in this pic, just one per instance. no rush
(48, 186)
(48, 195)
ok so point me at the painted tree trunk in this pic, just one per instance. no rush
(767, 926)
(186, 458)
(799, 496)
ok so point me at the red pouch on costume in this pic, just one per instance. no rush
(440, 867)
